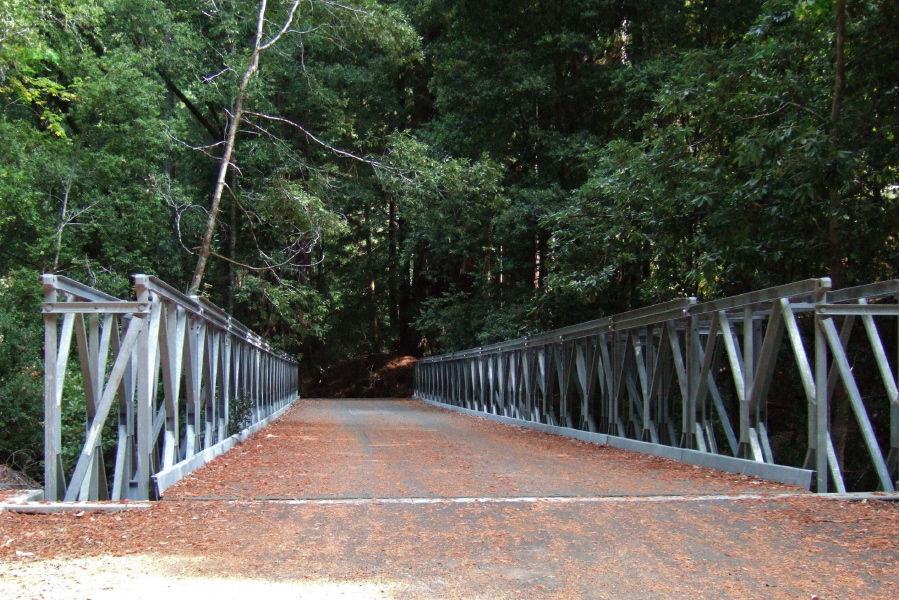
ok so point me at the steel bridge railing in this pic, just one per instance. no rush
(162, 373)
(698, 376)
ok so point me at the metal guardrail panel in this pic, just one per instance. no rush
(70, 287)
(126, 308)
(692, 376)
(795, 292)
(165, 369)
(868, 291)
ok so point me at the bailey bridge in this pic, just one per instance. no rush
(668, 452)
(160, 379)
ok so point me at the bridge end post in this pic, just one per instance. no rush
(54, 481)
(146, 363)
(821, 408)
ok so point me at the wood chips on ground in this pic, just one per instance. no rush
(627, 547)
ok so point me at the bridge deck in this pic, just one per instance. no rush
(408, 449)
(374, 499)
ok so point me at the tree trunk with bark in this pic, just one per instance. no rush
(237, 111)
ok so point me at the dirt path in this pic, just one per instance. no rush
(397, 499)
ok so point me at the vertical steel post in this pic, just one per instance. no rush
(146, 362)
(822, 424)
(893, 456)
(748, 380)
(52, 411)
(694, 367)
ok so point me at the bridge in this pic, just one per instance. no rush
(513, 475)
(684, 380)
(692, 381)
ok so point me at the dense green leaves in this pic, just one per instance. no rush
(21, 371)
(741, 172)
(425, 175)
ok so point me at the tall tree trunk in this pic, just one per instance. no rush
(840, 410)
(372, 285)
(224, 165)
(837, 264)
(393, 267)
(408, 340)
(232, 254)
(237, 111)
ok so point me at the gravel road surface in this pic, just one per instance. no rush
(398, 499)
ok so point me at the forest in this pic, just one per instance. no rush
(363, 177)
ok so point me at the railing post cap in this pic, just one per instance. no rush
(824, 285)
(48, 284)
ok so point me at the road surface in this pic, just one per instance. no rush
(398, 499)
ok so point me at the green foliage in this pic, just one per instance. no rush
(29, 62)
(740, 170)
(448, 203)
(421, 175)
(460, 321)
(240, 412)
(21, 371)
(284, 312)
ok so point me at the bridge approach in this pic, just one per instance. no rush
(402, 499)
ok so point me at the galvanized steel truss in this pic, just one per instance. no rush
(177, 362)
(694, 375)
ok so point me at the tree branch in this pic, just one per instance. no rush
(815, 114)
(289, 261)
(14, 34)
(309, 135)
(214, 131)
(287, 23)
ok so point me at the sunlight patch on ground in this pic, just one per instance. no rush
(140, 577)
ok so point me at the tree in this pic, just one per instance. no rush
(752, 170)
(235, 116)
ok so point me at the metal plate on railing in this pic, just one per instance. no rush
(138, 309)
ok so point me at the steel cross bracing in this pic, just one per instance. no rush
(165, 368)
(699, 376)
